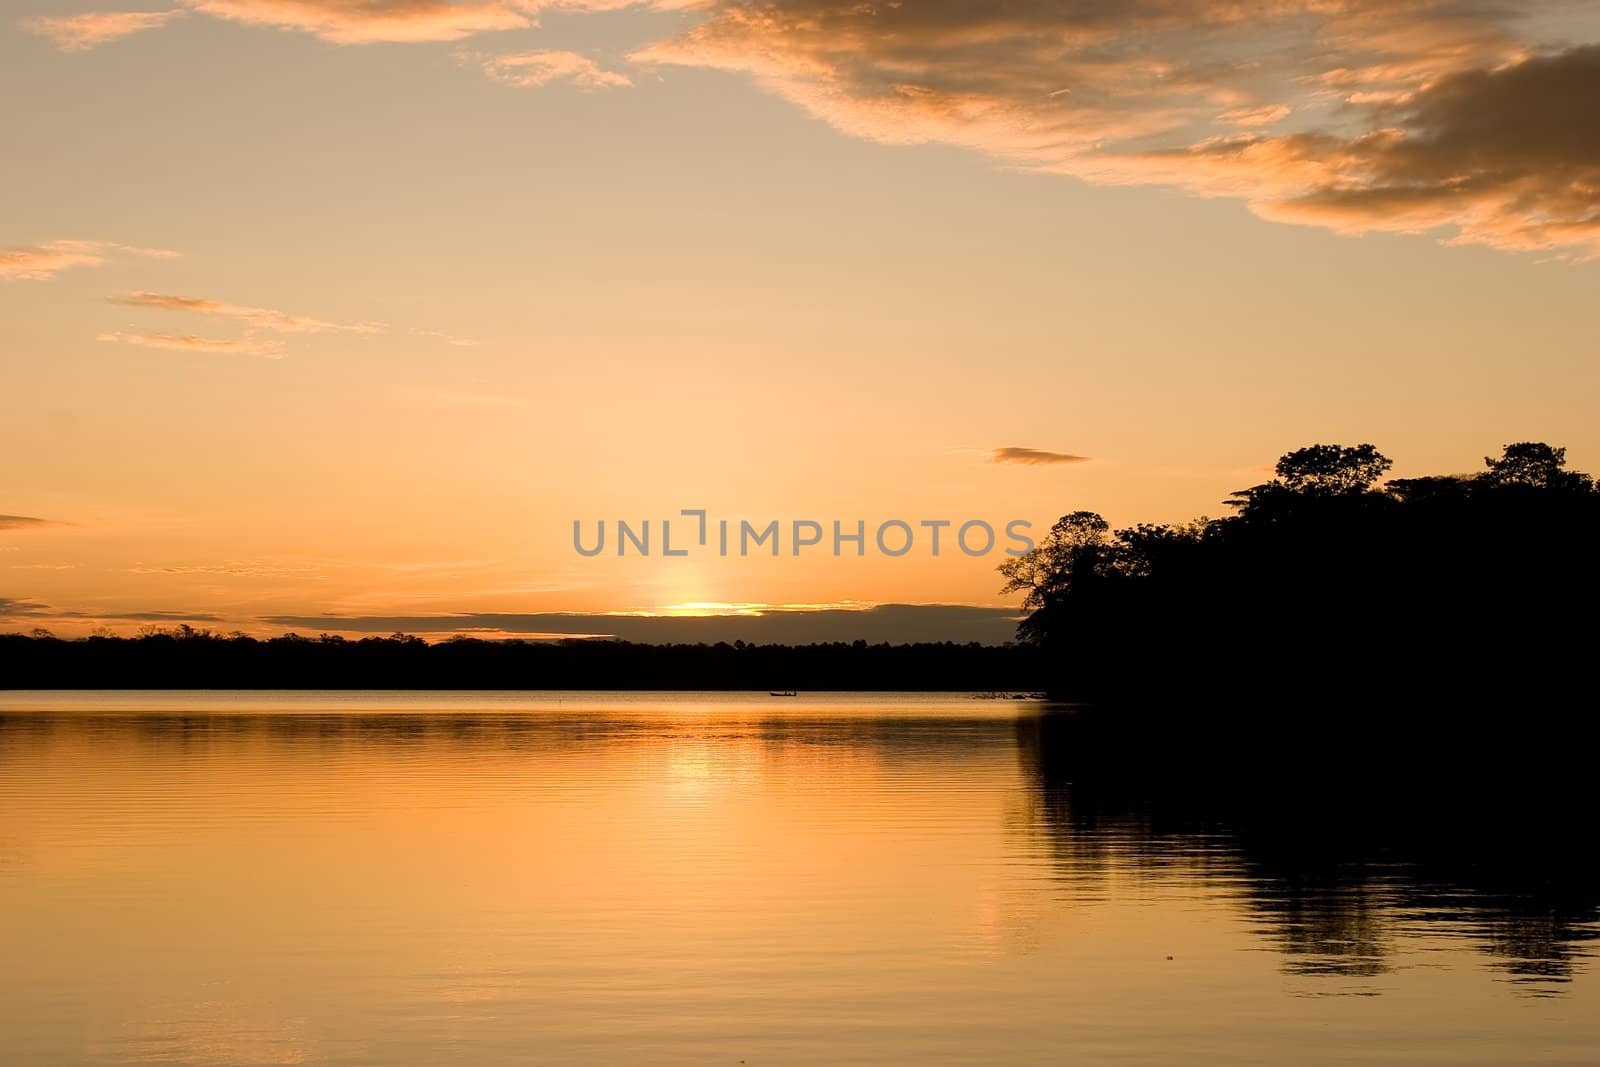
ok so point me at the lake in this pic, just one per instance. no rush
(600, 878)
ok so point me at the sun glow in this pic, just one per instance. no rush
(699, 609)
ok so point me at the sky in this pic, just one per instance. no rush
(335, 315)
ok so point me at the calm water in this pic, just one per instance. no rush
(490, 879)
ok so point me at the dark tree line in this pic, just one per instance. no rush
(1329, 584)
(187, 658)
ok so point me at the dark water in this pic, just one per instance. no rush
(490, 879)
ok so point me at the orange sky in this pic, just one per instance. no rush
(319, 308)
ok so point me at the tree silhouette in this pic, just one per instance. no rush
(1322, 577)
(1312, 475)
(1533, 464)
(1075, 549)
(1332, 469)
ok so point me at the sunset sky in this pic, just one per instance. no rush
(335, 314)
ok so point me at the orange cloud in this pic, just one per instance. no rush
(25, 522)
(338, 21)
(528, 69)
(1500, 155)
(1381, 94)
(191, 343)
(79, 33)
(1265, 115)
(45, 261)
(374, 21)
(1034, 457)
(260, 318)
(23, 608)
(1371, 102)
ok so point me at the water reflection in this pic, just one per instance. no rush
(1338, 859)
(401, 879)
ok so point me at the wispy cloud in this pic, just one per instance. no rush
(191, 343)
(346, 22)
(530, 69)
(1034, 457)
(25, 522)
(376, 21)
(22, 608)
(1255, 117)
(79, 33)
(44, 261)
(233, 568)
(259, 318)
(28, 608)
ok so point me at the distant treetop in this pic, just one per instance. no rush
(1535, 464)
(1332, 468)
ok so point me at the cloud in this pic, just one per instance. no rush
(232, 568)
(259, 318)
(25, 522)
(1265, 115)
(1034, 457)
(43, 262)
(25, 608)
(191, 343)
(530, 69)
(13, 608)
(79, 33)
(1501, 155)
(896, 623)
(375, 21)
(1382, 95)
(1454, 117)
(345, 22)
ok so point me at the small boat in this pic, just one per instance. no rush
(785, 693)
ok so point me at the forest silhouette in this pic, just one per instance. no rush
(1328, 584)
(188, 658)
